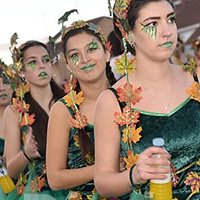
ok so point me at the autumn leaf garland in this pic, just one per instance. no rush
(129, 119)
(72, 99)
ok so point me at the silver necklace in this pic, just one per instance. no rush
(167, 106)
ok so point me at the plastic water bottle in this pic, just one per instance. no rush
(6, 182)
(161, 189)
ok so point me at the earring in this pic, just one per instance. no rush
(23, 78)
(53, 75)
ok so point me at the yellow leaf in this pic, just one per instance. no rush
(194, 91)
(135, 134)
(131, 160)
(124, 63)
(21, 90)
(73, 98)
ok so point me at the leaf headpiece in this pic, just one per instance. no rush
(91, 26)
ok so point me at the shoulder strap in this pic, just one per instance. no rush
(121, 104)
(196, 78)
(69, 108)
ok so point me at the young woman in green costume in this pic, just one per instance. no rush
(158, 99)
(5, 100)
(25, 123)
(70, 146)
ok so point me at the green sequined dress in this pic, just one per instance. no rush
(181, 131)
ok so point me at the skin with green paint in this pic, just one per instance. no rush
(92, 46)
(151, 28)
(32, 64)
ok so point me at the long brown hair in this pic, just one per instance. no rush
(41, 117)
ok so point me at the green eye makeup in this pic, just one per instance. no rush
(93, 45)
(150, 30)
(32, 65)
(75, 59)
(47, 58)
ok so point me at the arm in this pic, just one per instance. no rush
(15, 158)
(109, 181)
(59, 177)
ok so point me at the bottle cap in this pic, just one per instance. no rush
(159, 142)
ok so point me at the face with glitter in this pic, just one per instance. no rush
(86, 57)
(37, 65)
(155, 31)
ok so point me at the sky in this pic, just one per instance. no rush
(38, 19)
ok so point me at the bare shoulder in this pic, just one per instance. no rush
(10, 112)
(108, 96)
(59, 108)
(59, 114)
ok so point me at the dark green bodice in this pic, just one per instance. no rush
(181, 131)
(1, 146)
(75, 159)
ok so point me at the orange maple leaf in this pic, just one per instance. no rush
(195, 91)
(80, 121)
(27, 119)
(40, 183)
(127, 117)
(125, 93)
(108, 46)
(20, 189)
(20, 106)
(121, 64)
(135, 134)
(131, 160)
(72, 98)
(67, 85)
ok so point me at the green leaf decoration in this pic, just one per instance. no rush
(66, 15)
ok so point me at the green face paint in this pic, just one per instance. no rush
(172, 18)
(32, 64)
(5, 78)
(150, 29)
(93, 46)
(75, 58)
(46, 59)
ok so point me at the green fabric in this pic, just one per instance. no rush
(181, 131)
(37, 168)
(1, 145)
(75, 158)
(46, 192)
(3, 196)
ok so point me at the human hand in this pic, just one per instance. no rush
(31, 146)
(147, 168)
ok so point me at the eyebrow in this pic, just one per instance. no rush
(34, 57)
(75, 48)
(156, 18)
